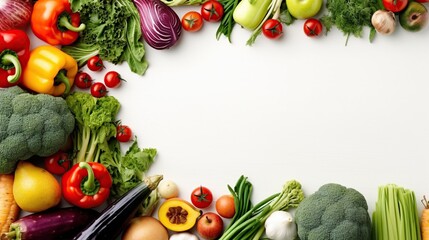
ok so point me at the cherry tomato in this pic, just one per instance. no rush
(192, 21)
(225, 206)
(98, 90)
(112, 79)
(201, 197)
(123, 133)
(212, 11)
(95, 64)
(395, 5)
(312, 27)
(57, 163)
(272, 28)
(83, 80)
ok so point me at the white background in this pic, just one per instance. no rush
(313, 110)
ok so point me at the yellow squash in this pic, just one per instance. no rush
(178, 215)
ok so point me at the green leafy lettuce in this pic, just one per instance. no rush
(112, 31)
(127, 170)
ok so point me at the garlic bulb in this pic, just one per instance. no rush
(384, 22)
(183, 236)
(280, 225)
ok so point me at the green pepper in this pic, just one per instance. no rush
(250, 13)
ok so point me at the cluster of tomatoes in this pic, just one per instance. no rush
(83, 80)
(211, 11)
(112, 79)
(273, 29)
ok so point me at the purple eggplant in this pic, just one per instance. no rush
(115, 217)
(60, 223)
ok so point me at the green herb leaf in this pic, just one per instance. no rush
(286, 18)
(126, 170)
(350, 16)
(372, 34)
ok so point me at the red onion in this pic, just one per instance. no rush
(161, 27)
(15, 14)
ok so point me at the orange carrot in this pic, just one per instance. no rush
(9, 210)
(424, 220)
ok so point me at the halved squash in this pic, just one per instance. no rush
(178, 215)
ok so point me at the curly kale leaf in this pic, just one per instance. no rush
(112, 31)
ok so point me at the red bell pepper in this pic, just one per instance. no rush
(14, 55)
(86, 184)
(54, 22)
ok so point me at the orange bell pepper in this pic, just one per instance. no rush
(54, 22)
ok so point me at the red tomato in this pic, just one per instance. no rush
(272, 28)
(98, 90)
(123, 133)
(95, 63)
(192, 21)
(313, 27)
(225, 206)
(201, 197)
(212, 11)
(395, 5)
(57, 163)
(83, 80)
(112, 79)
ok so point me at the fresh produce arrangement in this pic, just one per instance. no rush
(64, 175)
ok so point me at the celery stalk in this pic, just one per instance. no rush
(396, 215)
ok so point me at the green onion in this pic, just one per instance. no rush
(251, 224)
(227, 23)
(242, 194)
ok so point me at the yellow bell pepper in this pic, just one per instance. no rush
(49, 70)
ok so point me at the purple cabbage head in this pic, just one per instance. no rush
(160, 24)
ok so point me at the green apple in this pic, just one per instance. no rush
(303, 9)
(414, 17)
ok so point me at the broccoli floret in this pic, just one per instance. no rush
(333, 212)
(31, 125)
